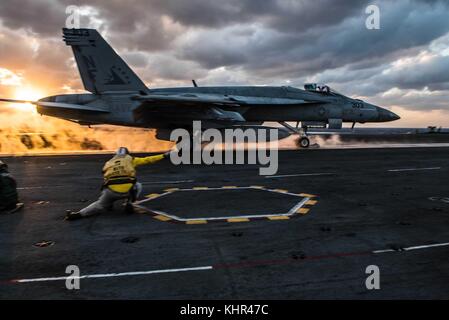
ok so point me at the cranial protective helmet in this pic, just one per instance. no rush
(3, 166)
(122, 151)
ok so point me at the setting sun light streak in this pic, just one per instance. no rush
(26, 93)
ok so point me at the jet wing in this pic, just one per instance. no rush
(59, 105)
(188, 99)
(203, 106)
(200, 106)
(208, 100)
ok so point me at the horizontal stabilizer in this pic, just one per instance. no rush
(70, 106)
(15, 101)
(58, 105)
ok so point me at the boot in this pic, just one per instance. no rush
(70, 215)
(129, 208)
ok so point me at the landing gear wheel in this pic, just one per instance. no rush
(304, 142)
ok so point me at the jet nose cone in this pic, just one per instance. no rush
(386, 115)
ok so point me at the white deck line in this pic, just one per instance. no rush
(111, 275)
(414, 169)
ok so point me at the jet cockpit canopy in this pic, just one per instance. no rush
(319, 87)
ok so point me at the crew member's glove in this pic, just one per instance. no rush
(167, 154)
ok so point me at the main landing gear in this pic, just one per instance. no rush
(303, 141)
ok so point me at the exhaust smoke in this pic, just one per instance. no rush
(31, 134)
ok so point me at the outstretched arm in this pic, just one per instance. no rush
(149, 160)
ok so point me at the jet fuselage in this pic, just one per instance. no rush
(260, 104)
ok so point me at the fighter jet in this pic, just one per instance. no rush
(118, 97)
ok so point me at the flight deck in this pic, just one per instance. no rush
(225, 232)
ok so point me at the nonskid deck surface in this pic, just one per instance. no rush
(383, 207)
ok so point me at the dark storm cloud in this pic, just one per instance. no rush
(44, 17)
(431, 74)
(280, 14)
(312, 35)
(253, 41)
(272, 52)
(139, 22)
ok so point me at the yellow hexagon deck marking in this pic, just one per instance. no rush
(307, 195)
(279, 190)
(161, 217)
(278, 217)
(152, 196)
(196, 221)
(238, 220)
(302, 207)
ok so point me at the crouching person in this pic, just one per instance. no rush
(120, 183)
(9, 198)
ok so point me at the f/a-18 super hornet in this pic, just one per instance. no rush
(119, 97)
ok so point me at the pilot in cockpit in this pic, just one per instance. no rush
(317, 87)
(323, 88)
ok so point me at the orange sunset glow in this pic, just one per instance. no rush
(406, 73)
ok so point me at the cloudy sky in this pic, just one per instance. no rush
(403, 66)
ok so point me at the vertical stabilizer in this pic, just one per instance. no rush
(100, 67)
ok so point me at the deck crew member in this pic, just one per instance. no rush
(120, 183)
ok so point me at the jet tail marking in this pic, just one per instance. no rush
(101, 68)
